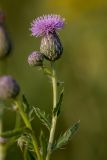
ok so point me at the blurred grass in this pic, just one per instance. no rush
(83, 67)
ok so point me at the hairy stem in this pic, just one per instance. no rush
(28, 125)
(54, 117)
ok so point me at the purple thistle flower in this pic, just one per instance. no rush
(46, 24)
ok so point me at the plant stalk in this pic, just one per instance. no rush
(2, 145)
(28, 125)
(54, 117)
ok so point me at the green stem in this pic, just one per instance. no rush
(28, 125)
(2, 145)
(54, 118)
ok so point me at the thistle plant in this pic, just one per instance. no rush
(46, 27)
(51, 48)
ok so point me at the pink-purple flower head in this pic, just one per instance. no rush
(46, 24)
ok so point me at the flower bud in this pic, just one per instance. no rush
(8, 87)
(35, 59)
(5, 44)
(51, 46)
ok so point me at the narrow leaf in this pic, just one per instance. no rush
(64, 139)
(57, 108)
(43, 117)
(27, 108)
(30, 115)
(25, 104)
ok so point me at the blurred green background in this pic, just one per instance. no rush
(83, 68)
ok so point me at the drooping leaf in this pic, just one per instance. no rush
(43, 144)
(56, 111)
(43, 117)
(64, 139)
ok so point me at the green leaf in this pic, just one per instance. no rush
(25, 104)
(43, 144)
(56, 111)
(27, 108)
(30, 115)
(64, 139)
(43, 117)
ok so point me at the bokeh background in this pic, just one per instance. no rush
(83, 68)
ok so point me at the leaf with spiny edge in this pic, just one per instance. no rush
(64, 139)
(43, 117)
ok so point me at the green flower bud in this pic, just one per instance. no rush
(51, 46)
